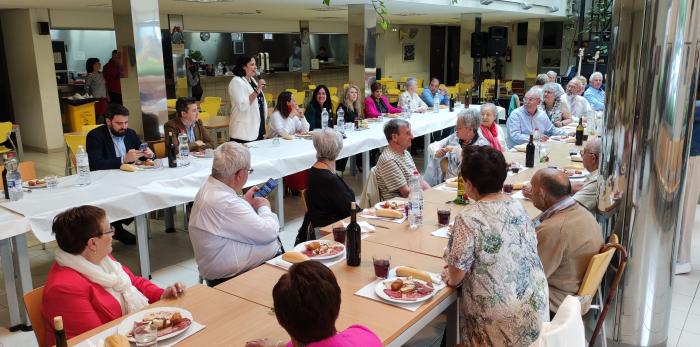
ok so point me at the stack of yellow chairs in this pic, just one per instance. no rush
(312, 87)
(270, 99)
(346, 85)
(291, 90)
(5, 131)
(86, 128)
(393, 95)
(463, 87)
(390, 84)
(300, 97)
(403, 79)
(453, 91)
(72, 142)
(333, 91)
(335, 100)
(171, 103)
(211, 104)
(419, 82)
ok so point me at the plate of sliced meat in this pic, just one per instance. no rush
(321, 249)
(169, 321)
(404, 290)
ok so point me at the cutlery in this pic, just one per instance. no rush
(378, 226)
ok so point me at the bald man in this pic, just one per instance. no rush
(567, 234)
(586, 194)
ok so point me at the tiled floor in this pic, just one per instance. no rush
(179, 265)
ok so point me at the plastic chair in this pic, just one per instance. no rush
(33, 302)
(5, 131)
(300, 97)
(346, 85)
(333, 91)
(72, 143)
(420, 90)
(86, 128)
(391, 85)
(270, 99)
(171, 103)
(291, 90)
(204, 116)
(211, 104)
(393, 95)
(312, 87)
(403, 79)
(454, 90)
(419, 82)
(335, 101)
(597, 267)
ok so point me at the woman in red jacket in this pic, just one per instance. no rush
(86, 285)
(377, 103)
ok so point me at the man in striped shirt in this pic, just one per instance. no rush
(395, 166)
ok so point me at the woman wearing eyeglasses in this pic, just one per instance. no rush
(86, 286)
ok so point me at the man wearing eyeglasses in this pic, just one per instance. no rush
(231, 232)
(525, 119)
(586, 193)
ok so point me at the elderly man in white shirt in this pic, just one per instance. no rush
(410, 99)
(578, 105)
(231, 232)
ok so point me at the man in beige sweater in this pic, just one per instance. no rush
(567, 235)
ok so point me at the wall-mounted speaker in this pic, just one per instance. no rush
(479, 45)
(498, 41)
(44, 28)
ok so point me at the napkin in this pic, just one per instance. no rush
(364, 226)
(368, 292)
(98, 340)
(519, 195)
(442, 232)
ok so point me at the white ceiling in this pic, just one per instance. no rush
(400, 11)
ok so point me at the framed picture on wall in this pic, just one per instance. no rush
(409, 52)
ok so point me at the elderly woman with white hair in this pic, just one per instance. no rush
(231, 232)
(328, 197)
(552, 105)
(449, 149)
(489, 130)
(410, 99)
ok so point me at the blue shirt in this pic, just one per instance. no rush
(521, 124)
(190, 133)
(427, 97)
(695, 137)
(119, 147)
(596, 97)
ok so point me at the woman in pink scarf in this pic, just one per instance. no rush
(489, 130)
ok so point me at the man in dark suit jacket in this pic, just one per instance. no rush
(111, 145)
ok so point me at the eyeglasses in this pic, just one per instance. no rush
(111, 231)
(250, 171)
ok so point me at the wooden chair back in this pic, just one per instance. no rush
(303, 199)
(33, 301)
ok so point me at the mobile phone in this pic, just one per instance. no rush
(143, 147)
(266, 189)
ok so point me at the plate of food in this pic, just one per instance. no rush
(34, 184)
(202, 154)
(575, 173)
(393, 205)
(392, 115)
(170, 322)
(577, 158)
(320, 249)
(147, 164)
(452, 183)
(305, 135)
(404, 290)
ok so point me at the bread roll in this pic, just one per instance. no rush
(288, 137)
(518, 185)
(117, 340)
(405, 271)
(574, 166)
(388, 213)
(294, 257)
(128, 167)
(452, 184)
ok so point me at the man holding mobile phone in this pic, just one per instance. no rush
(111, 145)
(231, 232)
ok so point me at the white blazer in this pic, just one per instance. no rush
(245, 115)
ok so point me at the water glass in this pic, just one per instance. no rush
(146, 336)
(276, 142)
(158, 163)
(350, 126)
(51, 181)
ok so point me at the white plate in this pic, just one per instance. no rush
(576, 158)
(379, 206)
(26, 185)
(379, 290)
(520, 148)
(127, 324)
(301, 248)
(584, 174)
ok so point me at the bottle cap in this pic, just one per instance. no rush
(58, 323)
(352, 206)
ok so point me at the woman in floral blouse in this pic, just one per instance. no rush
(492, 253)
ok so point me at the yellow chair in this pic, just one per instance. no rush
(33, 301)
(335, 101)
(346, 85)
(300, 97)
(211, 105)
(391, 85)
(454, 90)
(204, 116)
(403, 79)
(72, 143)
(5, 131)
(86, 128)
(420, 90)
(291, 90)
(171, 103)
(393, 95)
(419, 82)
(312, 87)
(463, 87)
(270, 99)
(333, 90)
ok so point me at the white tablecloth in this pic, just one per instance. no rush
(129, 194)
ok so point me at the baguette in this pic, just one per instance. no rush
(128, 167)
(117, 340)
(288, 137)
(574, 166)
(405, 271)
(452, 184)
(518, 185)
(294, 257)
(389, 213)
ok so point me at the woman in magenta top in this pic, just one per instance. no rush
(377, 104)
(86, 285)
(313, 286)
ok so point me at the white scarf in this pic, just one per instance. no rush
(110, 275)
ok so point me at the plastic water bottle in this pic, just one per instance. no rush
(81, 160)
(183, 149)
(340, 124)
(415, 202)
(436, 103)
(324, 118)
(14, 180)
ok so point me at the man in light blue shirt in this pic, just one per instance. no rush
(434, 90)
(522, 122)
(595, 94)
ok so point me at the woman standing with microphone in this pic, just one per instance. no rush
(248, 105)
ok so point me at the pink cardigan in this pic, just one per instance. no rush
(83, 304)
(371, 109)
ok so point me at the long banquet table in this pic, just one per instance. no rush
(251, 292)
(128, 194)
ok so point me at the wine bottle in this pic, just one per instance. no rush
(353, 241)
(530, 153)
(579, 132)
(4, 177)
(172, 151)
(59, 333)
(460, 200)
(452, 102)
